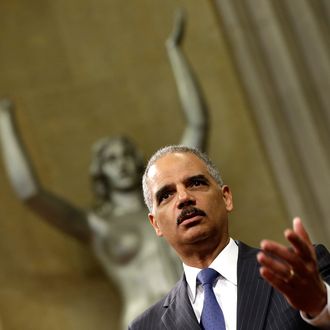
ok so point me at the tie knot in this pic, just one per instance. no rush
(207, 276)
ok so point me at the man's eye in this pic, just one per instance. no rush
(164, 196)
(197, 182)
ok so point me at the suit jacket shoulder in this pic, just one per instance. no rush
(151, 317)
(174, 311)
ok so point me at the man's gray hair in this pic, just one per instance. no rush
(211, 168)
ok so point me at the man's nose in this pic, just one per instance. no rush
(185, 199)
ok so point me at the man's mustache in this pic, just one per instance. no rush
(189, 212)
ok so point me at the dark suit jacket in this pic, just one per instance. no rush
(259, 306)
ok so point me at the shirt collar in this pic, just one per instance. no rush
(225, 264)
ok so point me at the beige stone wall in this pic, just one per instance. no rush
(81, 70)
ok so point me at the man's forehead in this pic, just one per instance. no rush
(176, 166)
(172, 160)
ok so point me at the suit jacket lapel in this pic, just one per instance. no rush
(179, 313)
(253, 292)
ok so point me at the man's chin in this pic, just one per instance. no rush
(195, 234)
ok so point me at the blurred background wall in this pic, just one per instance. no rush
(81, 70)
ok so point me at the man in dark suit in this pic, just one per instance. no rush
(277, 287)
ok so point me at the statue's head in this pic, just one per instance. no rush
(117, 164)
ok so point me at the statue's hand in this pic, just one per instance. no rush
(6, 104)
(177, 34)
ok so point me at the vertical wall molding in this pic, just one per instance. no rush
(281, 50)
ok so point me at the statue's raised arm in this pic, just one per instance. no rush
(192, 100)
(117, 226)
(26, 185)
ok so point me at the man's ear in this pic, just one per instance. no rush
(227, 197)
(154, 223)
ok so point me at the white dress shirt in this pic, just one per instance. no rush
(225, 289)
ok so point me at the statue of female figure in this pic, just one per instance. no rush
(141, 264)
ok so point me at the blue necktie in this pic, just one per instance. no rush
(212, 316)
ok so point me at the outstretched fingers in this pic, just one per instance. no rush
(293, 270)
(281, 259)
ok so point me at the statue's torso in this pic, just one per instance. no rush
(143, 265)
